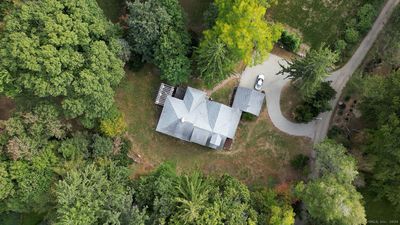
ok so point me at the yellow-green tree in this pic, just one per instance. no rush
(242, 29)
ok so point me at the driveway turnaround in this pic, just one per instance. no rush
(273, 84)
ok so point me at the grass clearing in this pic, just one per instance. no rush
(320, 21)
(260, 153)
(224, 94)
(289, 101)
(112, 8)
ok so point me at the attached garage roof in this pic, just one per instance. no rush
(249, 100)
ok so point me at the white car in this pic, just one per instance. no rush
(259, 82)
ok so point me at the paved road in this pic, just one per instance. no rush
(318, 129)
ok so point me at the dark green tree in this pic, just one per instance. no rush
(65, 52)
(157, 31)
(381, 106)
(96, 195)
(102, 146)
(309, 73)
(366, 17)
(290, 41)
(213, 61)
(32, 181)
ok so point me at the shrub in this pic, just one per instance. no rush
(366, 17)
(351, 35)
(315, 105)
(135, 62)
(248, 117)
(299, 162)
(122, 157)
(290, 41)
(210, 15)
(114, 125)
(340, 46)
(101, 146)
(74, 147)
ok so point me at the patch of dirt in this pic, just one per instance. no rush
(7, 107)
(283, 53)
(289, 101)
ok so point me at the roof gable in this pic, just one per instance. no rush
(249, 100)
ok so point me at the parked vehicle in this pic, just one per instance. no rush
(259, 82)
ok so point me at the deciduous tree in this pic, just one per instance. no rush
(157, 31)
(332, 159)
(329, 201)
(240, 33)
(63, 51)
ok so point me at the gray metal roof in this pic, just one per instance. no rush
(249, 100)
(199, 120)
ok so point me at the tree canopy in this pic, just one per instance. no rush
(96, 195)
(240, 33)
(329, 201)
(157, 32)
(309, 73)
(63, 51)
(332, 198)
(332, 159)
(380, 105)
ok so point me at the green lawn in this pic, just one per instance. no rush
(318, 20)
(260, 152)
(224, 94)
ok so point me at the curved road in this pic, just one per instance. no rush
(318, 129)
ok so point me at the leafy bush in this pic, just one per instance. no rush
(339, 135)
(248, 116)
(290, 41)
(74, 147)
(351, 35)
(340, 46)
(102, 146)
(315, 105)
(299, 162)
(114, 125)
(366, 16)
